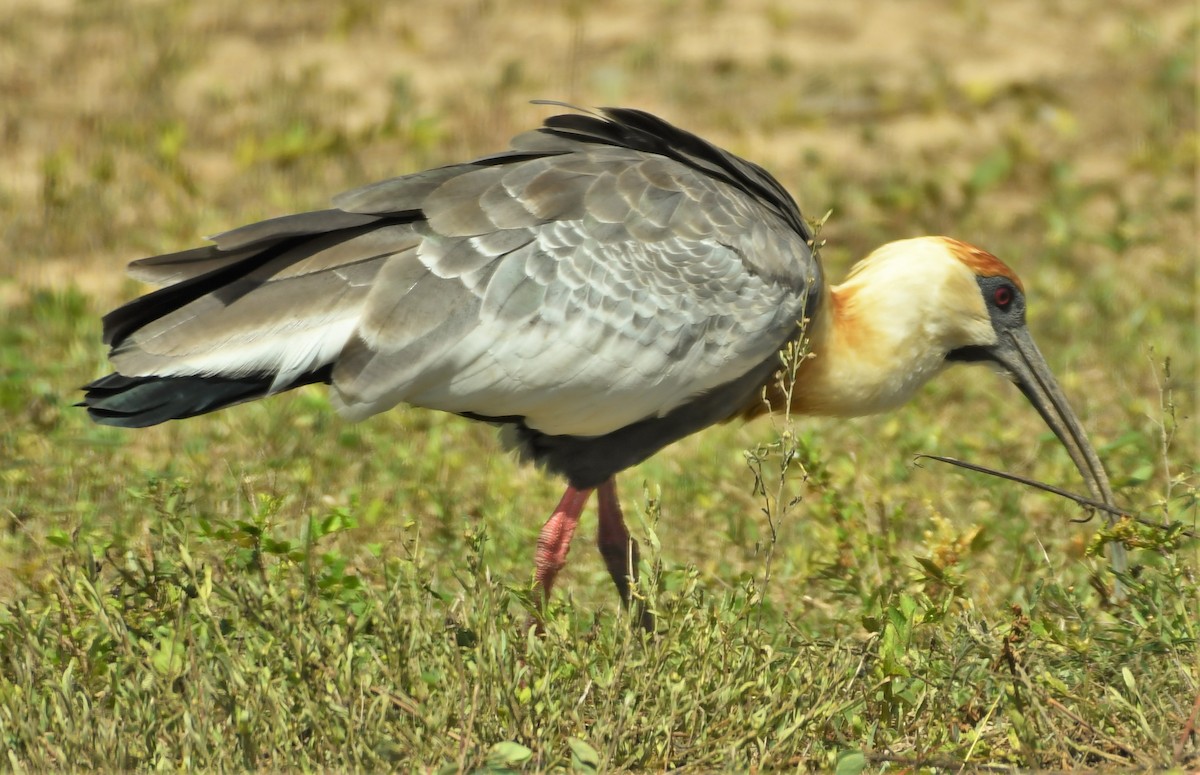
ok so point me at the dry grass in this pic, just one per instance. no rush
(271, 587)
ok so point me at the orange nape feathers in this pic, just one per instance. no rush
(980, 261)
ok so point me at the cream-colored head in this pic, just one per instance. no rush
(892, 324)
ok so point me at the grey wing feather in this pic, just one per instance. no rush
(288, 315)
(403, 194)
(597, 318)
(233, 246)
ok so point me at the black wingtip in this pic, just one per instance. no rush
(139, 402)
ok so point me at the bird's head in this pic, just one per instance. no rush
(914, 307)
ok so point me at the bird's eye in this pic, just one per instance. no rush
(1003, 296)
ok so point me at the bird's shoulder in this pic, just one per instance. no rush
(613, 184)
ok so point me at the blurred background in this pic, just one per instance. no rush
(134, 128)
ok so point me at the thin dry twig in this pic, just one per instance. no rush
(937, 761)
(1188, 730)
(1080, 499)
(409, 707)
(1130, 753)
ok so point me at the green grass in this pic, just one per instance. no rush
(273, 588)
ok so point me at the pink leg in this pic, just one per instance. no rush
(555, 541)
(618, 548)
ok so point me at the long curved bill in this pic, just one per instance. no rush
(1026, 367)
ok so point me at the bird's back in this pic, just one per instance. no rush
(607, 286)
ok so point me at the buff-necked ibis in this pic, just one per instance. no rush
(604, 288)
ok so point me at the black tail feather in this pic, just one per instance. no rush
(138, 402)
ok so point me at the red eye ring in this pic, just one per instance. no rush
(1003, 296)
